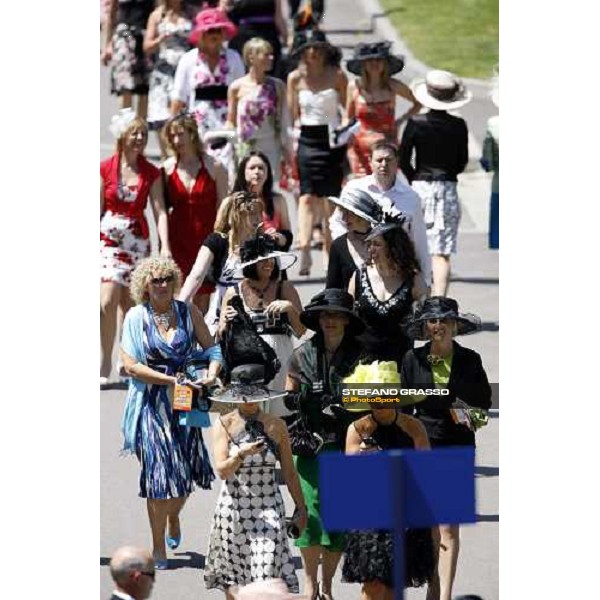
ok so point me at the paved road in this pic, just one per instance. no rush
(475, 285)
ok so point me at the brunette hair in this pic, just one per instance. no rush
(241, 185)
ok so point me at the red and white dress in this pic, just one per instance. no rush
(124, 234)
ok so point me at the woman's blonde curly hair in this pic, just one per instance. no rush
(151, 267)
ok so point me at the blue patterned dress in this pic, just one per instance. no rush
(173, 457)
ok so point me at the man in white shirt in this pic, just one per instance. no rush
(132, 570)
(386, 182)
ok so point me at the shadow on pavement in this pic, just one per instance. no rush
(488, 518)
(308, 280)
(482, 280)
(487, 471)
(490, 326)
(117, 385)
(193, 561)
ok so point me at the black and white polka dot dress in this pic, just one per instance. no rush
(248, 541)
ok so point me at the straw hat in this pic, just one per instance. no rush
(441, 90)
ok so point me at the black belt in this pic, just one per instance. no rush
(211, 92)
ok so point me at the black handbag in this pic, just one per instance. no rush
(242, 345)
(302, 440)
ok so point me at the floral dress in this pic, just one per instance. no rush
(204, 91)
(248, 541)
(376, 123)
(124, 234)
(259, 125)
(161, 79)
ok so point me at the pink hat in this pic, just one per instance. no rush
(212, 18)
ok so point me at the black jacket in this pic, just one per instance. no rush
(468, 381)
(441, 145)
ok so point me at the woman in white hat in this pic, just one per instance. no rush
(440, 144)
(273, 305)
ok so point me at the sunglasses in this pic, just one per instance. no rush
(151, 574)
(161, 280)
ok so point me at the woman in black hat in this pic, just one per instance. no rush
(316, 97)
(316, 367)
(349, 252)
(368, 555)
(442, 362)
(386, 287)
(372, 100)
(248, 540)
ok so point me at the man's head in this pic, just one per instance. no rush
(132, 570)
(384, 163)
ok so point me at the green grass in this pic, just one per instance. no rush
(456, 35)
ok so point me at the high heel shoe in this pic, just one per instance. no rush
(173, 542)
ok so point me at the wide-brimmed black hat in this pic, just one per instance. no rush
(440, 307)
(247, 385)
(331, 299)
(366, 51)
(359, 203)
(308, 38)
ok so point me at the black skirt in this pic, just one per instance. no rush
(369, 555)
(319, 165)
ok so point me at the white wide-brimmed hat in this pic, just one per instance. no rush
(441, 90)
(262, 247)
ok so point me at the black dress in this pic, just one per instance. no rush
(256, 18)
(341, 264)
(368, 555)
(384, 337)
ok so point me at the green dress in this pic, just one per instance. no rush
(304, 367)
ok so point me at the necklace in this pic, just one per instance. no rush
(260, 293)
(163, 319)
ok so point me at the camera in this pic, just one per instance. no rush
(264, 321)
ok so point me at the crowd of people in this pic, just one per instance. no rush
(212, 322)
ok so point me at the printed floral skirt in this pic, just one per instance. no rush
(130, 67)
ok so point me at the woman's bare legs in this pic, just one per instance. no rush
(306, 218)
(448, 559)
(310, 558)
(331, 561)
(126, 100)
(110, 294)
(327, 210)
(175, 507)
(158, 511)
(142, 106)
(440, 266)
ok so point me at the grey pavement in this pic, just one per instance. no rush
(474, 284)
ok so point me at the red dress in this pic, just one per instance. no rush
(191, 219)
(124, 235)
(376, 122)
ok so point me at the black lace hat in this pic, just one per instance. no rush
(440, 307)
(370, 50)
(262, 247)
(331, 299)
(391, 218)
